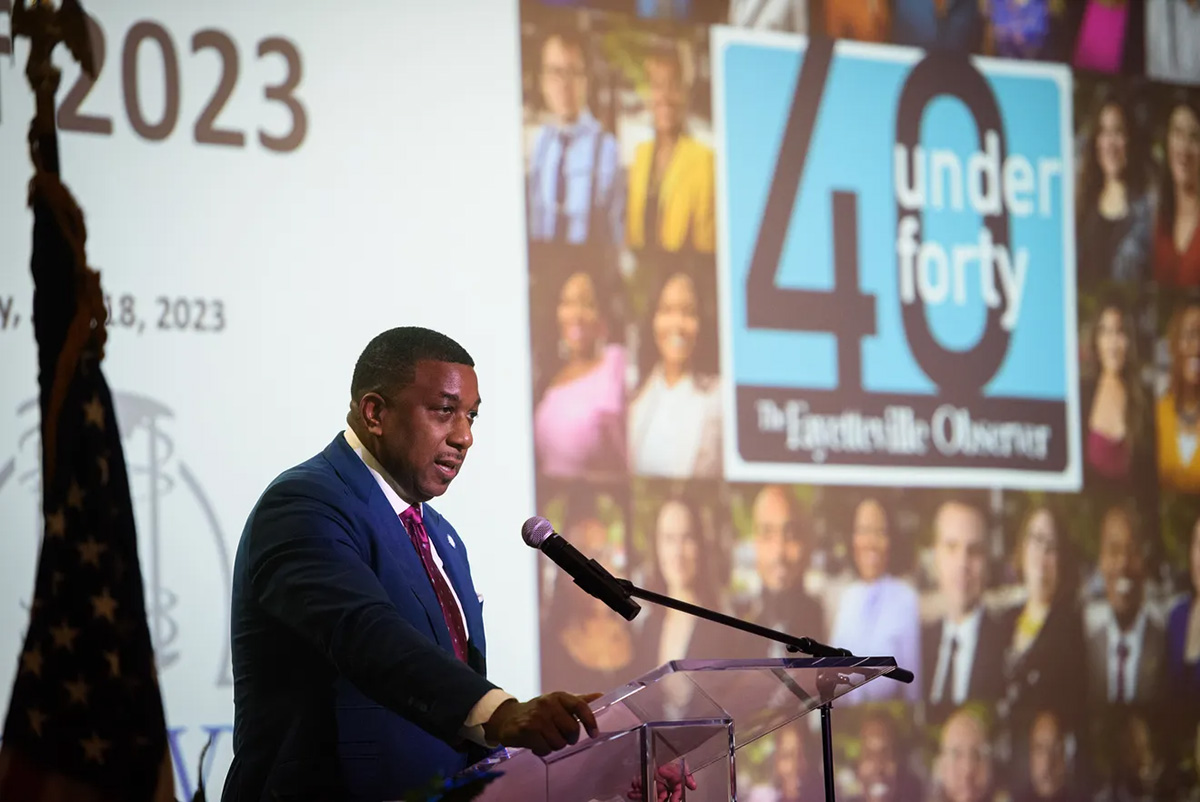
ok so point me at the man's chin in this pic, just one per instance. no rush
(434, 489)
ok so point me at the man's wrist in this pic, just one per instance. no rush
(491, 727)
(474, 728)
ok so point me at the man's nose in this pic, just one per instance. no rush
(460, 436)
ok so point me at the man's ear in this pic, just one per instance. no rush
(370, 409)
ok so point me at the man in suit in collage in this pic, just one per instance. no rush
(1126, 648)
(963, 652)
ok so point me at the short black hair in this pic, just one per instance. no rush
(389, 362)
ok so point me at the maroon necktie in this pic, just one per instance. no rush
(411, 518)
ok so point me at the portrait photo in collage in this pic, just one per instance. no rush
(1055, 636)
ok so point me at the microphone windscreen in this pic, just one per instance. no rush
(535, 531)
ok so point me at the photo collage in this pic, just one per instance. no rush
(1055, 637)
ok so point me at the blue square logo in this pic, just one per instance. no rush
(897, 265)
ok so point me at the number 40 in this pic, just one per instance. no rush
(845, 311)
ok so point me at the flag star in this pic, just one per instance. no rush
(31, 661)
(102, 466)
(64, 636)
(75, 495)
(78, 691)
(114, 664)
(94, 412)
(56, 579)
(94, 747)
(36, 719)
(105, 606)
(56, 524)
(90, 551)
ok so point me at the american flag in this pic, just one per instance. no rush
(85, 720)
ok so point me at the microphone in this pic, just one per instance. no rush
(588, 574)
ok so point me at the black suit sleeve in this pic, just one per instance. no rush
(307, 571)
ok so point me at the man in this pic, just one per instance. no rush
(1126, 646)
(880, 768)
(964, 770)
(781, 551)
(963, 652)
(1047, 760)
(672, 204)
(357, 634)
(575, 188)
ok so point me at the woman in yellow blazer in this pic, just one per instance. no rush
(671, 179)
(1178, 410)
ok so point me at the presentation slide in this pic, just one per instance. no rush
(872, 322)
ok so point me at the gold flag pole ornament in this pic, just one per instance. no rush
(46, 27)
(85, 720)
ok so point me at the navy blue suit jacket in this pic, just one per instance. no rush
(345, 681)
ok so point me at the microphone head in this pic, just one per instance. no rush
(535, 531)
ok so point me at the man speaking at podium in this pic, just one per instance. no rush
(357, 635)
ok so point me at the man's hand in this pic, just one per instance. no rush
(544, 724)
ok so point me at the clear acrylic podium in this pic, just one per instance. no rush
(689, 713)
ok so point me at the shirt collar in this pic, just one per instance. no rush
(967, 630)
(386, 483)
(1133, 635)
(585, 123)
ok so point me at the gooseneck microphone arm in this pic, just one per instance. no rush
(795, 644)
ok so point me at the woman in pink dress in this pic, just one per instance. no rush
(579, 422)
(1115, 408)
(1104, 34)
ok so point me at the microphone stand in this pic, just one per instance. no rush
(825, 683)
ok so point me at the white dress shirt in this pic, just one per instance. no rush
(1133, 639)
(881, 618)
(485, 707)
(966, 632)
(1172, 31)
(675, 430)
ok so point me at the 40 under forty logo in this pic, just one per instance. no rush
(897, 265)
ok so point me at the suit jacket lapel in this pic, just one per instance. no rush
(1098, 658)
(392, 536)
(988, 652)
(1152, 649)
